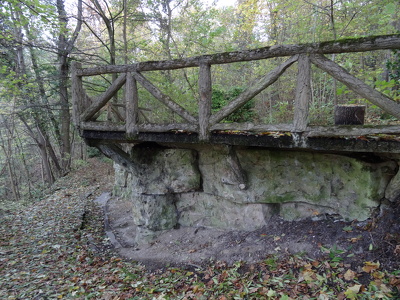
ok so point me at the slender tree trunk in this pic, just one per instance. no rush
(42, 92)
(7, 150)
(65, 116)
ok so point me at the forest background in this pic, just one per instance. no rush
(40, 38)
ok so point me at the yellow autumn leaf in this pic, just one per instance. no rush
(370, 266)
(307, 275)
(352, 291)
(378, 274)
(385, 289)
(349, 275)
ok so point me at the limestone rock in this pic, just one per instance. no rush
(241, 189)
(298, 211)
(345, 185)
(154, 212)
(200, 209)
(122, 179)
(392, 192)
(161, 171)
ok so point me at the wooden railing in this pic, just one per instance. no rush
(86, 110)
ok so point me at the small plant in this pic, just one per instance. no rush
(220, 98)
(93, 152)
(271, 262)
(334, 253)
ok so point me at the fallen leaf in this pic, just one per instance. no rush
(397, 250)
(349, 275)
(307, 275)
(323, 296)
(315, 263)
(348, 228)
(370, 266)
(355, 239)
(378, 275)
(352, 291)
(395, 281)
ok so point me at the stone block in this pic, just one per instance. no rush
(154, 212)
(392, 192)
(162, 171)
(201, 209)
(299, 211)
(348, 186)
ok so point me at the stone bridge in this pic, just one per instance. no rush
(202, 171)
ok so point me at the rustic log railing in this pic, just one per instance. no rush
(86, 110)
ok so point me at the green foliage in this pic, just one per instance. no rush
(321, 114)
(221, 97)
(393, 67)
(93, 152)
(280, 113)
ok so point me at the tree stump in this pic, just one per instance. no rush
(349, 114)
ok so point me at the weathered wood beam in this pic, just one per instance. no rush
(77, 93)
(356, 84)
(349, 130)
(116, 154)
(330, 47)
(252, 91)
(303, 94)
(100, 101)
(117, 114)
(132, 106)
(168, 127)
(103, 126)
(256, 128)
(310, 131)
(166, 100)
(205, 91)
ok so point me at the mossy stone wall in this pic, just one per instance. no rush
(239, 188)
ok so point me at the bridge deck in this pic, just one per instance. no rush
(273, 140)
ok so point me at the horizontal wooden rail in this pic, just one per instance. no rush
(100, 126)
(340, 46)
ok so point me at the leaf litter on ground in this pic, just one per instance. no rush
(56, 248)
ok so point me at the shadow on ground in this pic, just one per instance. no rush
(377, 239)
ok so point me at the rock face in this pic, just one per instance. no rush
(229, 188)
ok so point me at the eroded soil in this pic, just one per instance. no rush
(377, 239)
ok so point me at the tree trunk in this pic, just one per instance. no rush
(349, 114)
(64, 49)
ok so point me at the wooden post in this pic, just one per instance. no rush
(77, 93)
(132, 106)
(205, 91)
(303, 94)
